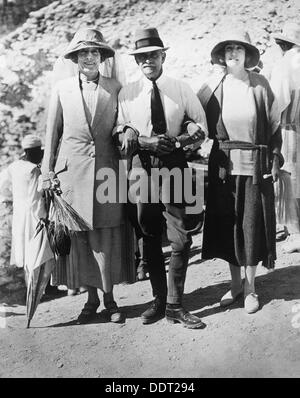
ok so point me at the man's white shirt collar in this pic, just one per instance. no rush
(148, 83)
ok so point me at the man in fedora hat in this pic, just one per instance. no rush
(151, 113)
(285, 82)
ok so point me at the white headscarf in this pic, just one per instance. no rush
(111, 67)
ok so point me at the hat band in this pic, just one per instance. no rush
(89, 43)
(149, 42)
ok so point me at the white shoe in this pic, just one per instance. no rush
(72, 292)
(251, 303)
(292, 244)
(228, 298)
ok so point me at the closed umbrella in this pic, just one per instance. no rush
(39, 263)
(52, 238)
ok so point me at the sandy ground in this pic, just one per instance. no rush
(233, 344)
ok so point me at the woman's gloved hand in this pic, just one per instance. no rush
(51, 183)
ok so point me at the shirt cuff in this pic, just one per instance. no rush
(122, 128)
(203, 128)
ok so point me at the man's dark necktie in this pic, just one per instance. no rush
(157, 112)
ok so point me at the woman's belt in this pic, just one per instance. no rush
(289, 126)
(260, 157)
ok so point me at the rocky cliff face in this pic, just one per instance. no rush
(15, 12)
(190, 28)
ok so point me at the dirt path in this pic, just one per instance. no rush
(234, 344)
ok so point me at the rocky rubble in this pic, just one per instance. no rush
(14, 12)
(190, 28)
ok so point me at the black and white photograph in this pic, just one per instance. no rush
(149, 191)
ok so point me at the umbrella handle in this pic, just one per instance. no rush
(48, 194)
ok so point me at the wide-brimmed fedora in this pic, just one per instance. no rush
(88, 38)
(289, 33)
(147, 40)
(240, 37)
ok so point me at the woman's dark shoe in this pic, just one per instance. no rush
(113, 312)
(52, 290)
(180, 315)
(88, 313)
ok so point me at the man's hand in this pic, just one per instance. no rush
(158, 144)
(195, 132)
(193, 136)
(130, 142)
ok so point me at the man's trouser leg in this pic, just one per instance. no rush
(140, 257)
(151, 222)
(180, 227)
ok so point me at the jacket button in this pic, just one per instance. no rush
(92, 155)
(92, 143)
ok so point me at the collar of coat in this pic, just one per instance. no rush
(261, 90)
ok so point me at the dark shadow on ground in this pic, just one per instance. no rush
(281, 284)
(99, 318)
(50, 297)
(135, 311)
(8, 314)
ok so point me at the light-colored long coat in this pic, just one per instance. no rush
(83, 150)
(19, 184)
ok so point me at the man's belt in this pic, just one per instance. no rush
(172, 160)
